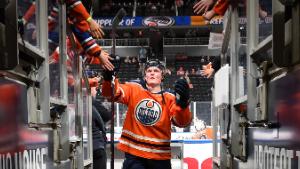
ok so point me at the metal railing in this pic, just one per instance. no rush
(167, 41)
(186, 41)
(243, 40)
(124, 42)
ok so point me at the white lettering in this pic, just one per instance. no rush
(268, 20)
(38, 158)
(266, 157)
(28, 159)
(43, 154)
(8, 161)
(261, 156)
(276, 158)
(289, 155)
(271, 152)
(298, 155)
(256, 157)
(107, 22)
(132, 21)
(16, 161)
(21, 162)
(282, 159)
(33, 160)
(121, 23)
(128, 22)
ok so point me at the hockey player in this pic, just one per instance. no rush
(146, 135)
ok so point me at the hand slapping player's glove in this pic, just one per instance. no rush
(108, 74)
(182, 92)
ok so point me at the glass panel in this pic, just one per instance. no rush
(242, 22)
(189, 68)
(71, 94)
(16, 137)
(11, 98)
(265, 19)
(53, 43)
(122, 114)
(202, 123)
(72, 121)
(242, 77)
(200, 126)
(203, 112)
(118, 120)
(86, 126)
(27, 12)
(242, 51)
(54, 75)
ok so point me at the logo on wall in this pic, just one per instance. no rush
(148, 112)
(158, 21)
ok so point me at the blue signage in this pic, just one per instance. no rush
(167, 21)
(161, 21)
(126, 21)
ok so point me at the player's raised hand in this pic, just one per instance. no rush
(182, 92)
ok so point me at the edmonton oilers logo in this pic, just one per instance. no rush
(148, 112)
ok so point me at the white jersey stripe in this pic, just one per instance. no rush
(145, 138)
(75, 4)
(91, 47)
(122, 91)
(144, 148)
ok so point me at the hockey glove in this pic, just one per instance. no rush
(182, 93)
(107, 75)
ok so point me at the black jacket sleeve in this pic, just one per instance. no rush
(104, 113)
(98, 130)
(216, 63)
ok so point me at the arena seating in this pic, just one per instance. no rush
(201, 90)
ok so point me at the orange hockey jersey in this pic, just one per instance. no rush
(221, 7)
(147, 126)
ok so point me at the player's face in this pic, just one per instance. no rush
(153, 76)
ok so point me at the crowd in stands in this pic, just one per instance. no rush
(129, 60)
(165, 33)
(207, 8)
(143, 8)
(193, 71)
(190, 68)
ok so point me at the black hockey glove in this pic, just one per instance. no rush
(107, 75)
(182, 93)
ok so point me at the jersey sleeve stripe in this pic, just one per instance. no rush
(122, 91)
(145, 138)
(159, 146)
(144, 148)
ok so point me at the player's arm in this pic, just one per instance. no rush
(77, 10)
(180, 112)
(29, 13)
(122, 92)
